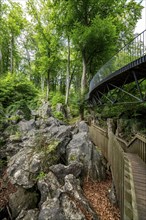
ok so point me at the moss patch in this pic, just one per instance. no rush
(73, 157)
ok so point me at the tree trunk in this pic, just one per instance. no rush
(11, 54)
(83, 79)
(53, 85)
(42, 83)
(1, 56)
(68, 74)
(48, 84)
(1, 62)
(83, 85)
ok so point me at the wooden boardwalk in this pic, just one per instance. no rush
(128, 166)
(139, 178)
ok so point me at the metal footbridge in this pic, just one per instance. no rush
(122, 80)
(128, 66)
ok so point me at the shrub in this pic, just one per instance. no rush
(58, 115)
(13, 89)
(56, 98)
(16, 92)
(74, 104)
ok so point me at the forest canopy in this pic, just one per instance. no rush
(56, 46)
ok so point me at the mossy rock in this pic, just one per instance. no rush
(72, 157)
(11, 130)
(50, 152)
(2, 142)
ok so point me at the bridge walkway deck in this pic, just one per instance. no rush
(139, 178)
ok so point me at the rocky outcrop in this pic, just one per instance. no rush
(24, 167)
(29, 214)
(63, 202)
(24, 200)
(61, 170)
(82, 150)
(44, 111)
(47, 164)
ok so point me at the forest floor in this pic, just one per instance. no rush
(6, 188)
(96, 193)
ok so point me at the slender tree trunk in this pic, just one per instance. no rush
(42, 83)
(1, 58)
(28, 58)
(83, 85)
(11, 54)
(53, 85)
(68, 74)
(48, 84)
(83, 79)
(1, 62)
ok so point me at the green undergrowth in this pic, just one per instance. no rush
(129, 118)
(49, 151)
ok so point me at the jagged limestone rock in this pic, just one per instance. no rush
(28, 215)
(63, 201)
(83, 127)
(46, 143)
(24, 167)
(51, 210)
(61, 170)
(22, 199)
(48, 186)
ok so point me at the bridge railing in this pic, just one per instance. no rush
(134, 50)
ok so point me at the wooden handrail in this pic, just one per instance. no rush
(127, 144)
(99, 128)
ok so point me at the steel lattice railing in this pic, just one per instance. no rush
(134, 50)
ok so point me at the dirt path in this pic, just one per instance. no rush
(96, 193)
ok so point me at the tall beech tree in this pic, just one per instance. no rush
(63, 43)
(12, 23)
(45, 39)
(96, 28)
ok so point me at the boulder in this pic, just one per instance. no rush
(83, 127)
(112, 195)
(28, 215)
(45, 110)
(64, 131)
(61, 170)
(25, 126)
(47, 122)
(48, 187)
(73, 189)
(71, 209)
(63, 201)
(61, 108)
(51, 210)
(24, 167)
(82, 150)
(11, 149)
(22, 199)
